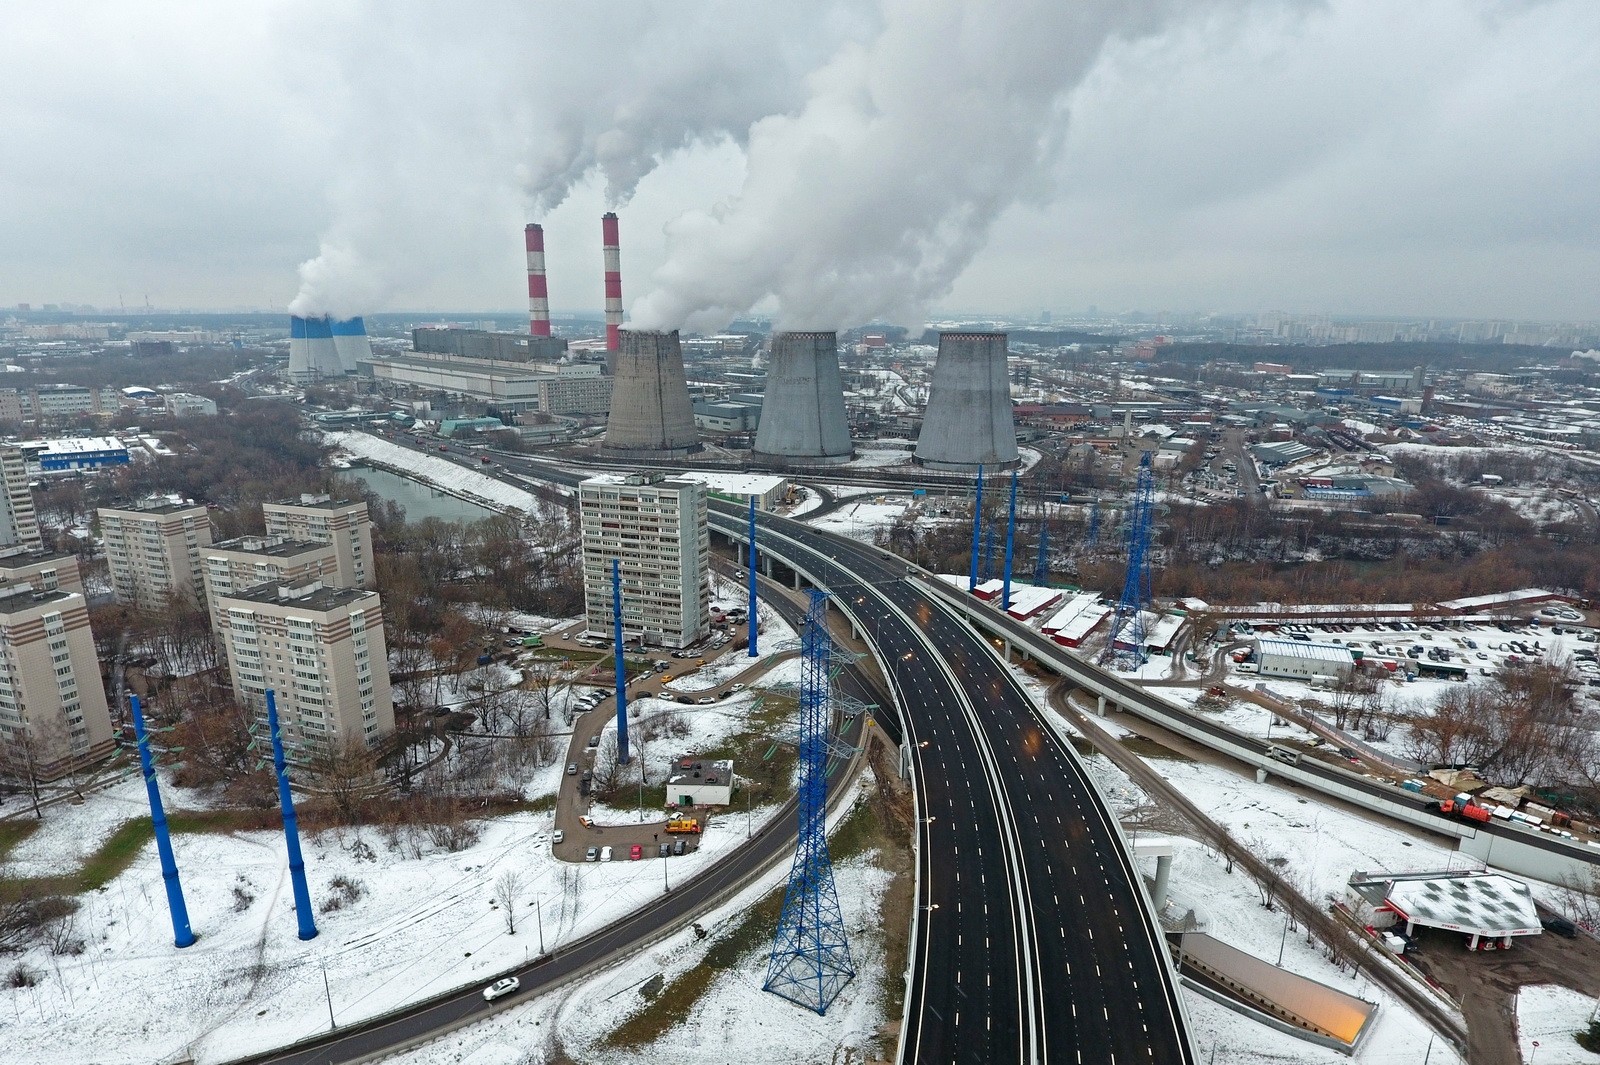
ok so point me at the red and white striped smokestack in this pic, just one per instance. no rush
(538, 293)
(613, 253)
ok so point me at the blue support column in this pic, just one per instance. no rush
(988, 551)
(182, 935)
(977, 532)
(291, 827)
(810, 962)
(1011, 540)
(1041, 568)
(752, 619)
(616, 654)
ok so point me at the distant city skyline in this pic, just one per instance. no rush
(1344, 158)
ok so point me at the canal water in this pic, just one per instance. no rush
(420, 500)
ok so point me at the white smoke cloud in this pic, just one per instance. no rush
(458, 122)
(869, 200)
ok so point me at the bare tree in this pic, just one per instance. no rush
(344, 774)
(506, 889)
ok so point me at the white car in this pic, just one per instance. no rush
(559, 836)
(500, 988)
(605, 854)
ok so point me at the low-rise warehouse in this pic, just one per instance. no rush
(1303, 660)
(700, 783)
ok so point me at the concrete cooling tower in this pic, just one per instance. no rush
(350, 341)
(802, 414)
(650, 410)
(313, 354)
(968, 421)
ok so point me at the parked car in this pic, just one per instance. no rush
(678, 846)
(501, 988)
(592, 854)
(594, 741)
(635, 853)
(559, 837)
(605, 854)
(664, 850)
(572, 769)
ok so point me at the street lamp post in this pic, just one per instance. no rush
(538, 917)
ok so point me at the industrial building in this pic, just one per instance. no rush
(489, 346)
(650, 410)
(804, 420)
(968, 422)
(322, 651)
(655, 527)
(43, 571)
(313, 353)
(153, 551)
(52, 705)
(350, 342)
(566, 388)
(768, 489)
(75, 453)
(342, 523)
(1302, 660)
(189, 405)
(19, 523)
(696, 782)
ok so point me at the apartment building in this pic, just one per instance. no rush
(53, 712)
(231, 566)
(322, 651)
(153, 551)
(45, 402)
(44, 571)
(344, 523)
(655, 527)
(19, 524)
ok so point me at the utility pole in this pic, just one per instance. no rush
(538, 917)
(332, 1024)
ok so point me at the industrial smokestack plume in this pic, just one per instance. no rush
(650, 410)
(538, 293)
(968, 421)
(802, 414)
(313, 354)
(613, 256)
(350, 341)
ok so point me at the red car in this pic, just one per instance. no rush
(635, 853)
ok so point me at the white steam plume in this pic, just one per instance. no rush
(449, 121)
(870, 199)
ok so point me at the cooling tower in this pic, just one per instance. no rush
(650, 410)
(313, 354)
(968, 420)
(802, 414)
(350, 341)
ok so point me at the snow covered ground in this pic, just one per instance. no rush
(437, 471)
(735, 1020)
(423, 926)
(1547, 1018)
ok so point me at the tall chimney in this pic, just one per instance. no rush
(538, 293)
(613, 256)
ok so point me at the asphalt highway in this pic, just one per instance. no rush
(1034, 943)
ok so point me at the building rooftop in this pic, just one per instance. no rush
(1317, 652)
(25, 597)
(317, 502)
(272, 546)
(1489, 904)
(164, 506)
(311, 596)
(702, 769)
(13, 557)
(75, 445)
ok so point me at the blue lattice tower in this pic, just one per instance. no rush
(811, 961)
(988, 552)
(1128, 623)
(1041, 568)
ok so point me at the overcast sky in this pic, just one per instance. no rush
(833, 163)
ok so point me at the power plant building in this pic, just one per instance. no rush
(322, 651)
(53, 709)
(803, 419)
(313, 353)
(655, 528)
(651, 414)
(968, 422)
(567, 388)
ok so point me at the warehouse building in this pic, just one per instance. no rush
(1302, 660)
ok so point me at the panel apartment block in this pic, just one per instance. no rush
(19, 524)
(52, 705)
(344, 523)
(233, 566)
(153, 552)
(322, 650)
(656, 528)
(43, 571)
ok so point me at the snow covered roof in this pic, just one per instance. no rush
(1521, 595)
(1316, 652)
(1487, 904)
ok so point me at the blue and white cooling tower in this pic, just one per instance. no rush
(320, 347)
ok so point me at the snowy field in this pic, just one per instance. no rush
(735, 1020)
(423, 926)
(440, 472)
(1547, 1018)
